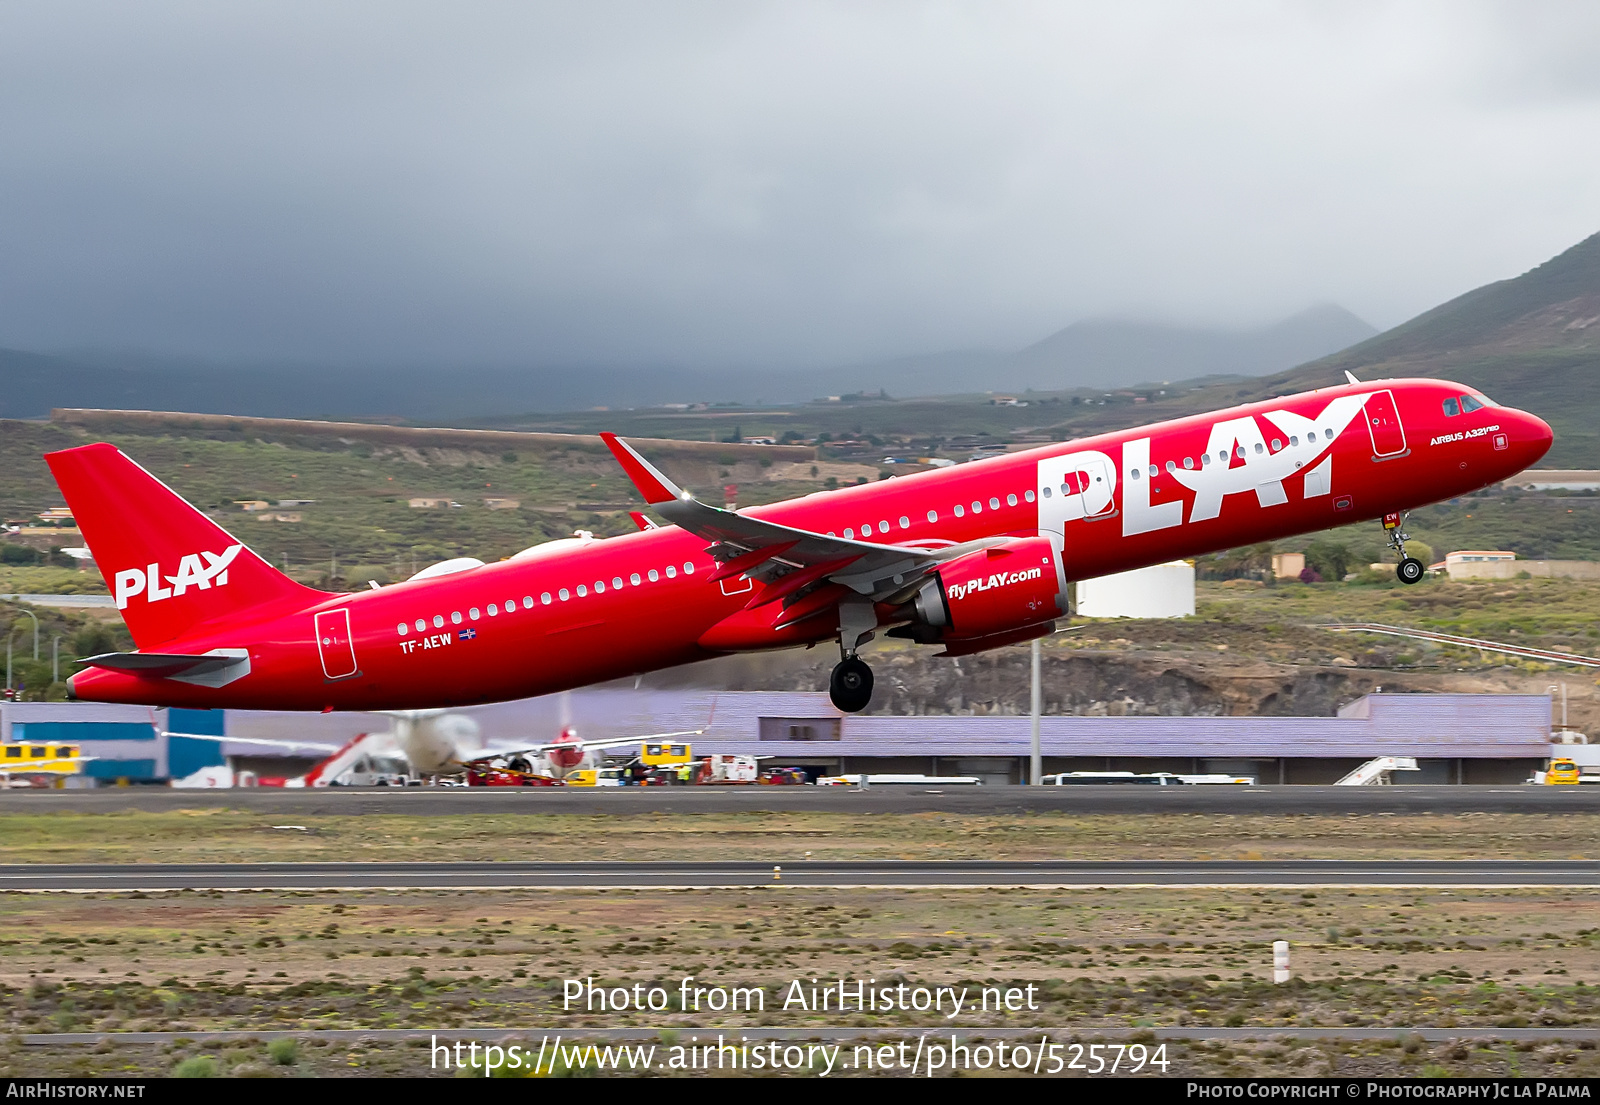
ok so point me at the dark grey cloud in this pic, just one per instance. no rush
(727, 183)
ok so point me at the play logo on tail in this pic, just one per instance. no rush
(170, 567)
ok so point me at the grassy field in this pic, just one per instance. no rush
(221, 835)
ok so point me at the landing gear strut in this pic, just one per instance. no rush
(1411, 569)
(850, 687)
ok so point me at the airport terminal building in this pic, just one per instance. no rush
(1456, 739)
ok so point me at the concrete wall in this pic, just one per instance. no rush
(1538, 569)
(1159, 591)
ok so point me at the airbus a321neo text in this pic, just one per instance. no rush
(970, 557)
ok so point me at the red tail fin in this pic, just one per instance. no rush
(170, 567)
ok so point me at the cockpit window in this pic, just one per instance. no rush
(1451, 407)
(1471, 403)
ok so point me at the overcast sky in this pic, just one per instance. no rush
(740, 183)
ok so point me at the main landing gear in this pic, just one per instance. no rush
(1411, 569)
(850, 687)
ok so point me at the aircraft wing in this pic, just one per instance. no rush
(321, 747)
(777, 554)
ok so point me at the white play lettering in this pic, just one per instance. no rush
(1259, 469)
(1138, 516)
(133, 581)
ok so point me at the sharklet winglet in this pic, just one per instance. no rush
(654, 486)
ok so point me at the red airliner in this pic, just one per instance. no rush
(969, 557)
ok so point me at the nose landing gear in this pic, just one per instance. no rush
(1410, 569)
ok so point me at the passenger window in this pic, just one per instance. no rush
(1011, 500)
(1154, 471)
(1451, 407)
(1133, 474)
(422, 623)
(599, 586)
(403, 629)
(849, 533)
(1260, 448)
(493, 610)
(655, 576)
(634, 579)
(933, 515)
(455, 617)
(474, 615)
(1171, 467)
(545, 598)
(1276, 444)
(438, 621)
(961, 511)
(1469, 404)
(583, 592)
(616, 582)
(1294, 439)
(994, 503)
(565, 594)
(905, 523)
(527, 603)
(883, 527)
(1045, 492)
(977, 507)
(1028, 495)
(1188, 462)
(688, 567)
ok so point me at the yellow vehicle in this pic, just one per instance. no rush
(27, 758)
(584, 778)
(657, 755)
(1561, 772)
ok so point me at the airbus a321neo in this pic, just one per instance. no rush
(970, 558)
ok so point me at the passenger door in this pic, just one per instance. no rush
(1383, 423)
(335, 645)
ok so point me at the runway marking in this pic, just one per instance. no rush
(264, 888)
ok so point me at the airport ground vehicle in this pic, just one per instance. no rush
(970, 557)
(1562, 772)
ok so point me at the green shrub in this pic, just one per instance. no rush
(196, 1066)
(284, 1050)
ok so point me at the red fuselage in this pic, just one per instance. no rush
(580, 612)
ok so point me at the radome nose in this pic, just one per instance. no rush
(1532, 436)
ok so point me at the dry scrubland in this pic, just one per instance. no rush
(1125, 958)
(277, 962)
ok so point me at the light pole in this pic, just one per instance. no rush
(55, 659)
(9, 637)
(35, 618)
(1035, 760)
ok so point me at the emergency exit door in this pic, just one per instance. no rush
(1091, 483)
(335, 644)
(1383, 423)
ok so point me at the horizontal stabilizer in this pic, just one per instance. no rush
(216, 668)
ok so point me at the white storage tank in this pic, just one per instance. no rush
(1159, 591)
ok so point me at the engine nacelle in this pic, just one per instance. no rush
(1001, 588)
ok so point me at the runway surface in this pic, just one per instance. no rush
(432, 802)
(156, 877)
